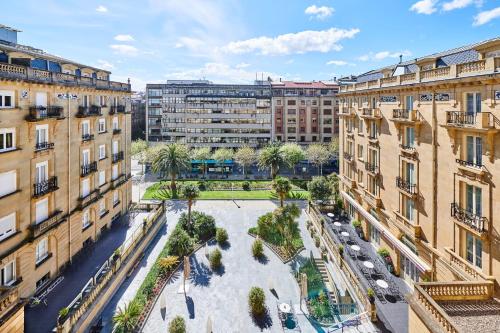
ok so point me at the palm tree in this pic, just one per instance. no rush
(202, 154)
(282, 186)
(287, 226)
(191, 193)
(125, 320)
(271, 156)
(171, 159)
(245, 156)
(222, 155)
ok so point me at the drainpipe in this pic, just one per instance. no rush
(434, 181)
(69, 177)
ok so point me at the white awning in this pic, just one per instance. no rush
(419, 263)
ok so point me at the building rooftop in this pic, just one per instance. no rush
(474, 316)
(304, 85)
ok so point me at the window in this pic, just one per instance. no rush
(115, 123)
(8, 181)
(409, 270)
(7, 225)
(409, 172)
(373, 130)
(474, 250)
(7, 139)
(42, 250)
(360, 152)
(373, 186)
(102, 152)
(475, 150)
(42, 134)
(41, 172)
(6, 99)
(102, 207)
(473, 198)
(9, 273)
(102, 125)
(115, 197)
(360, 177)
(41, 210)
(115, 172)
(85, 219)
(409, 137)
(290, 102)
(408, 103)
(408, 208)
(473, 103)
(41, 99)
(360, 126)
(86, 157)
(115, 147)
(85, 127)
(374, 236)
(85, 187)
(327, 103)
(291, 111)
(102, 178)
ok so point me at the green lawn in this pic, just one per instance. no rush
(155, 191)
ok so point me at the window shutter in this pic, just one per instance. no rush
(9, 182)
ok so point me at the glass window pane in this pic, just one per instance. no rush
(470, 246)
(478, 102)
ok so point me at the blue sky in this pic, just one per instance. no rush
(229, 41)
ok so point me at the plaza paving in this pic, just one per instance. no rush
(223, 296)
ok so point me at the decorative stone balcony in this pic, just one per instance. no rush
(9, 298)
(89, 198)
(470, 221)
(38, 113)
(470, 166)
(87, 169)
(89, 111)
(348, 157)
(42, 146)
(408, 150)
(454, 307)
(370, 113)
(38, 229)
(463, 268)
(406, 186)
(403, 116)
(115, 158)
(347, 111)
(118, 181)
(17, 72)
(410, 229)
(373, 200)
(371, 168)
(45, 187)
(351, 183)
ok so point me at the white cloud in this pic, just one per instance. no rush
(123, 49)
(383, 55)
(219, 72)
(486, 16)
(124, 38)
(193, 44)
(105, 65)
(290, 61)
(340, 63)
(424, 7)
(242, 65)
(319, 12)
(101, 9)
(300, 42)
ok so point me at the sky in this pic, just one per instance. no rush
(229, 41)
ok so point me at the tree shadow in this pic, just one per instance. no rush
(190, 307)
(200, 273)
(175, 205)
(263, 259)
(262, 321)
(220, 270)
(225, 246)
(175, 276)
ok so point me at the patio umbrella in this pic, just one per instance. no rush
(209, 325)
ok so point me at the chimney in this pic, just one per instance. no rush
(280, 79)
(400, 58)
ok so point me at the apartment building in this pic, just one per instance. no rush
(200, 113)
(305, 112)
(64, 166)
(419, 168)
(138, 110)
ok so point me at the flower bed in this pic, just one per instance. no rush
(284, 256)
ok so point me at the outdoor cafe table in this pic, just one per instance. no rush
(330, 215)
(382, 284)
(285, 307)
(337, 224)
(345, 234)
(368, 264)
(355, 247)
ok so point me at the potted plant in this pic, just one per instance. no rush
(316, 241)
(371, 295)
(116, 254)
(386, 257)
(341, 250)
(357, 227)
(63, 313)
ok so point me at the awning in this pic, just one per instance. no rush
(419, 263)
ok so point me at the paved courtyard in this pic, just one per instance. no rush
(222, 296)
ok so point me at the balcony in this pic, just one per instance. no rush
(348, 157)
(406, 186)
(347, 112)
(114, 109)
(403, 116)
(471, 166)
(463, 268)
(52, 221)
(87, 169)
(116, 131)
(118, 181)
(412, 230)
(89, 111)
(89, 199)
(351, 183)
(45, 187)
(38, 113)
(469, 220)
(481, 121)
(9, 297)
(87, 137)
(370, 113)
(373, 200)
(42, 146)
(371, 167)
(408, 149)
(115, 158)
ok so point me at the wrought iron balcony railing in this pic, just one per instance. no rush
(371, 167)
(37, 113)
(407, 147)
(89, 111)
(476, 222)
(89, 198)
(117, 109)
(40, 146)
(89, 168)
(406, 186)
(458, 118)
(116, 131)
(117, 157)
(347, 156)
(44, 187)
(87, 137)
(470, 164)
(401, 114)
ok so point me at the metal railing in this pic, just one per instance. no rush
(44, 112)
(40, 146)
(87, 137)
(117, 157)
(347, 156)
(45, 187)
(88, 111)
(371, 167)
(401, 114)
(407, 147)
(89, 198)
(39, 229)
(460, 118)
(116, 131)
(468, 218)
(406, 186)
(117, 109)
(87, 169)
(471, 164)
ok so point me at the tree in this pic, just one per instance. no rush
(285, 220)
(222, 155)
(202, 154)
(245, 156)
(177, 325)
(179, 243)
(257, 301)
(282, 186)
(292, 154)
(125, 320)
(334, 147)
(191, 193)
(172, 159)
(318, 155)
(166, 264)
(138, 151)
(320, 188)
(271, 156)
(334, 181)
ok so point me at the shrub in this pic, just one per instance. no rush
(371, 294)
(356, 224)
(257, 248)
(384, 253)
(179, 243)
(167, 264)
(215, 259)
(265, 224)
(177, 325)
(316, 241)
(202, 185)
(221, 235)
(257, 301)
(204, 225)
(245, 186)
(341, 249)
(63, 312)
